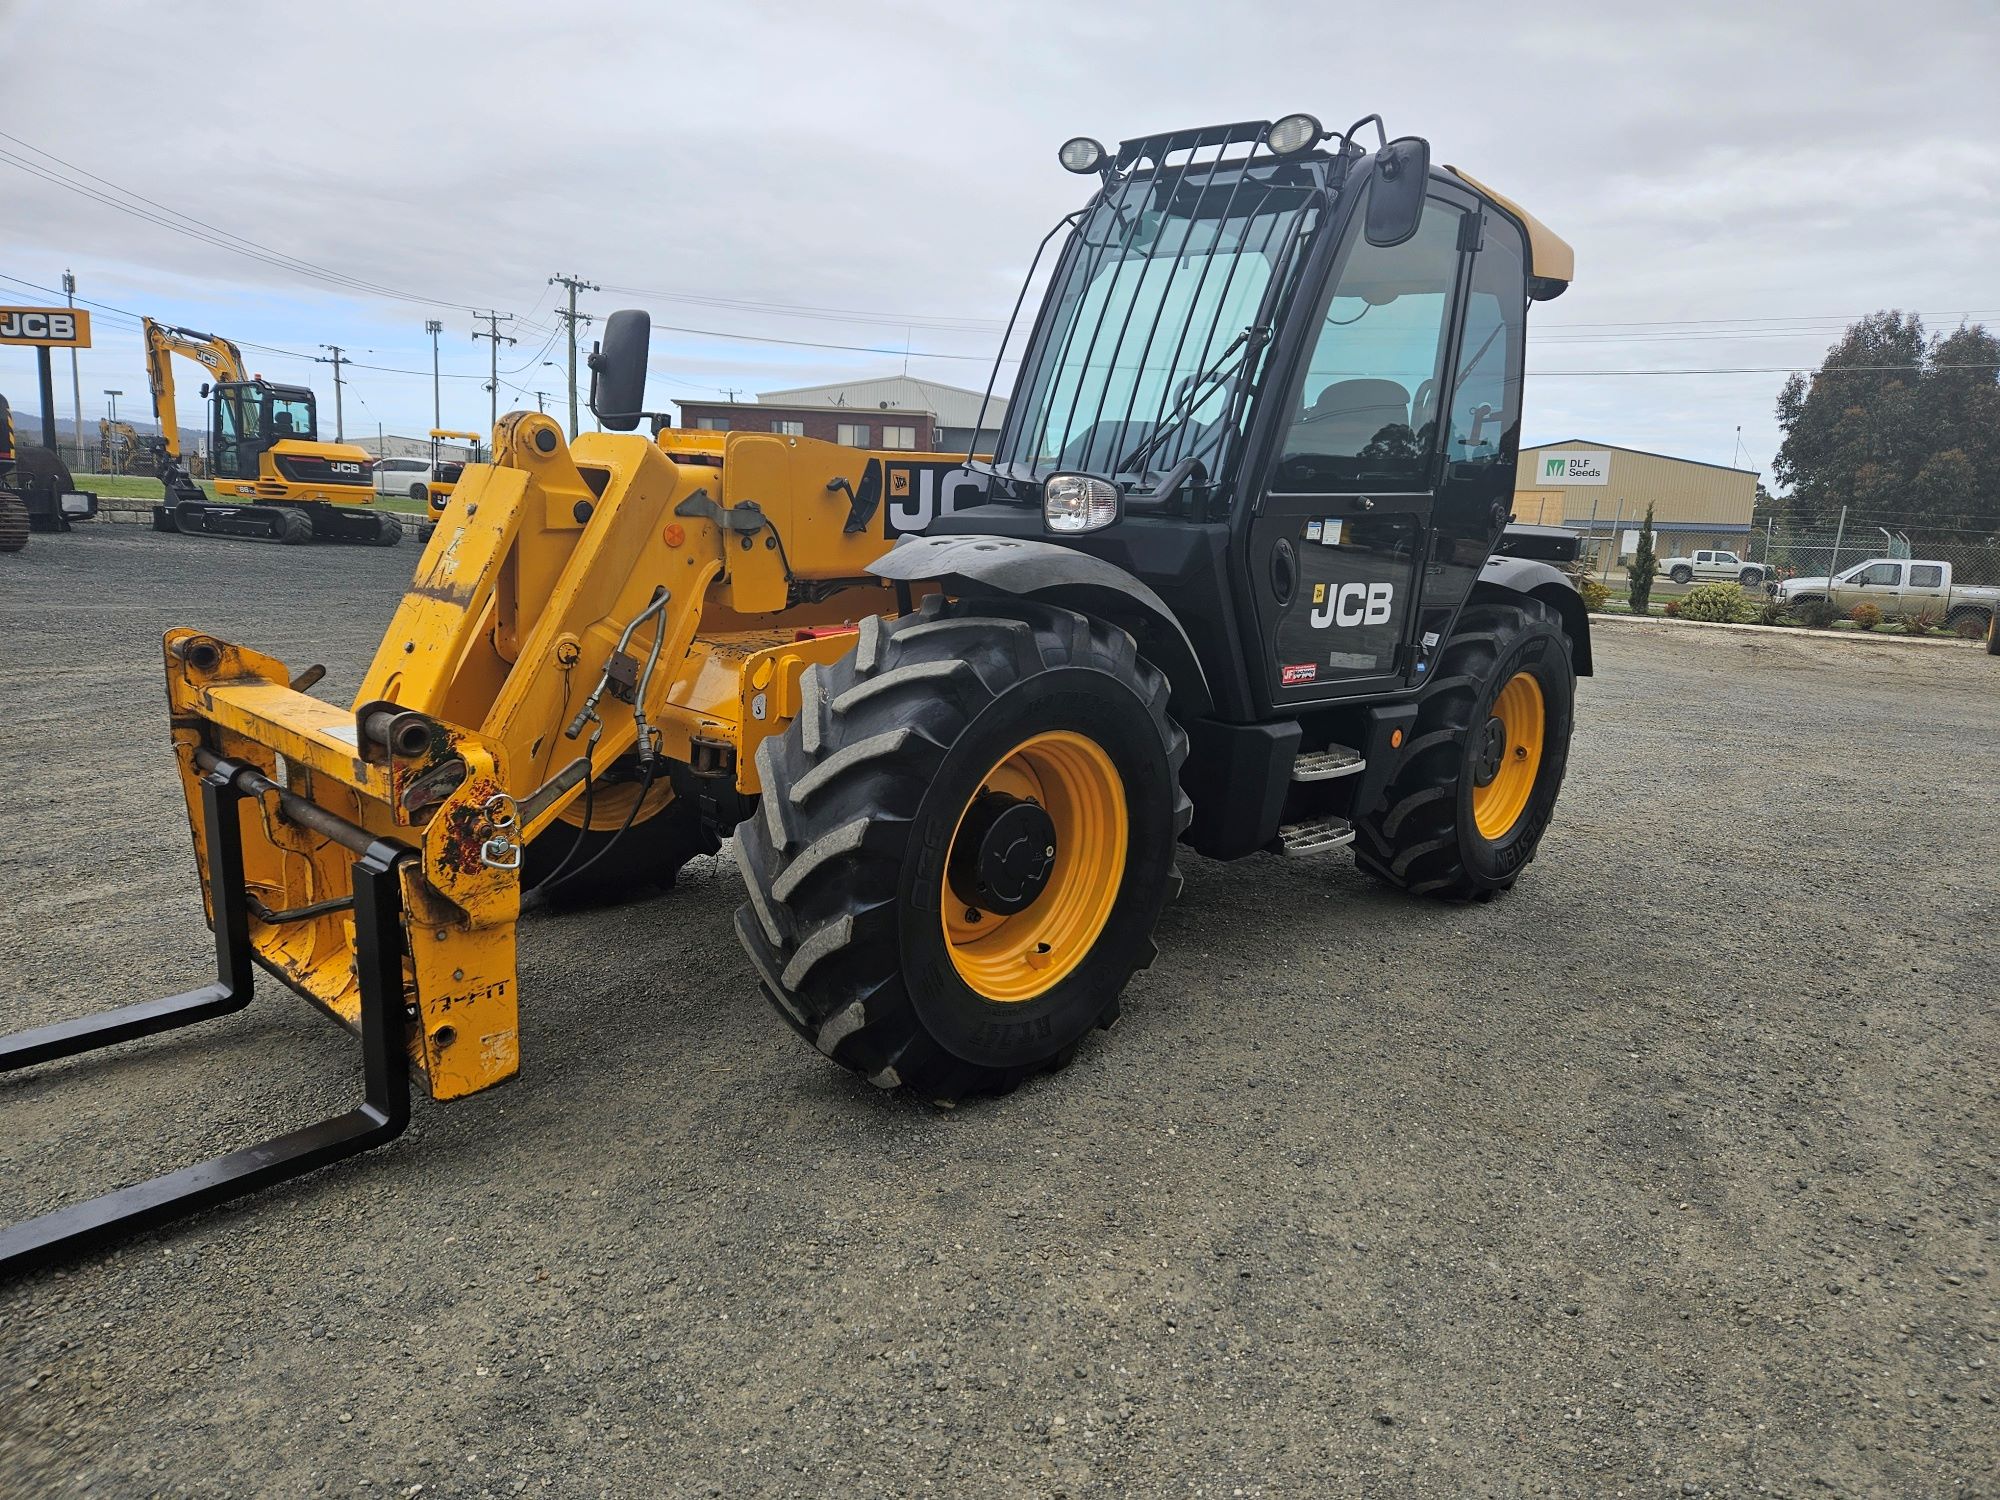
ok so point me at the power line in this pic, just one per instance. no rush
(186, 224)
(932, 321)
(570, 319)
(339, 417)
(493, 320)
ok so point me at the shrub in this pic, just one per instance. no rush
(1718, 603)
(1671, 609)
(1816, 614)
(1971, 628)
(1923, 622)
(1588, 588)
(1774, 612)
(1867, 616)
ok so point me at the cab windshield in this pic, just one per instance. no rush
(1153, 319)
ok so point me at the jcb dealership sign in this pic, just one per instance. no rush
(1574, 468)
(50, 327)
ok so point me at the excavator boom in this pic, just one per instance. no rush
(219, 356)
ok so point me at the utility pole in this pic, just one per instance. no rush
(541, 398)
(114, 395)
(433, 327)
(493, 320)
(339, 417)
(572, 317)
(75, 381)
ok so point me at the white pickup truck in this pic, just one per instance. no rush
(1900, 587)
(1713, 566)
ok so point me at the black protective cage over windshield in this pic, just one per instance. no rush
(1151, 335)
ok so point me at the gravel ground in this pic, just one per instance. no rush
(1673, 1173)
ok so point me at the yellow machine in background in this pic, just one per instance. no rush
(13, 513)
(273, 479)
(118, 445)
(445, 474)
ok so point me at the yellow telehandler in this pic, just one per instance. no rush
(1238, 575)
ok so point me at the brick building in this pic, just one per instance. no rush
(896, 412)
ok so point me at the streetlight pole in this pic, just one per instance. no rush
(75, 380)
(433, 327)
(114, 395)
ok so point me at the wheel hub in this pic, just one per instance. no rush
(1003, 855)
(1492, 750)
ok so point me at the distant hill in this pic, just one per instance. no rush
(28, 426)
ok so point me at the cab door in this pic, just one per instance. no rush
(1923, 589)
(1341, 540)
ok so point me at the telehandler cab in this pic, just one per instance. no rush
(1229, 580)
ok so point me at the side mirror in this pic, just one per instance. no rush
(1396, 196)
(204, 390)
(618, 369)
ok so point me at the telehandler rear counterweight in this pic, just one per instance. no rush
(1238, 575)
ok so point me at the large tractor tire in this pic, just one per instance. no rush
(13, 522)
(963, 844)
(1472, 797)
(294, 527)
(617, 862)
(388, 530)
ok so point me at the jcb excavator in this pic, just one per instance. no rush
(118, 444)
(274, 480)
(14, 526)
(1238, 577)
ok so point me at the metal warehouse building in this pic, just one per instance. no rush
(1603, 490)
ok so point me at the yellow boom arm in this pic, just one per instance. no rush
(218, 356)
(550, 633)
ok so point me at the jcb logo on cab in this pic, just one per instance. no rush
(1353, 604)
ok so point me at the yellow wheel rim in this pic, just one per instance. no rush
(1016, 957)
(1508, 758)
(611, 802)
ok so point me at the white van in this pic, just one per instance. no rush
(403, 476)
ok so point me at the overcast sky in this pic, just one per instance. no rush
(1738, 180)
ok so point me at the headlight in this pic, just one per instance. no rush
(1080, 154)
(1073, 503)
(1292, 133)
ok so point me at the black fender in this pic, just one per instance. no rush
(1523, 575)
(967, 566)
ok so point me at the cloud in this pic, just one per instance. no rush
(1709, 161)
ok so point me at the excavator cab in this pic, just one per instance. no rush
(252, 417)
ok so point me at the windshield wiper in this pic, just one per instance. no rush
(1239, 352)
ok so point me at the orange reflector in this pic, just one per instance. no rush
(1395, 739)
(673, 536)
(820, 632)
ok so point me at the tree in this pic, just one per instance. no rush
(1644, 568)
(1901, 428)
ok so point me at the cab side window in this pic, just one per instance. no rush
(1881, 574)
(1368, 403)
(1483, 412)
(1926, 576)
